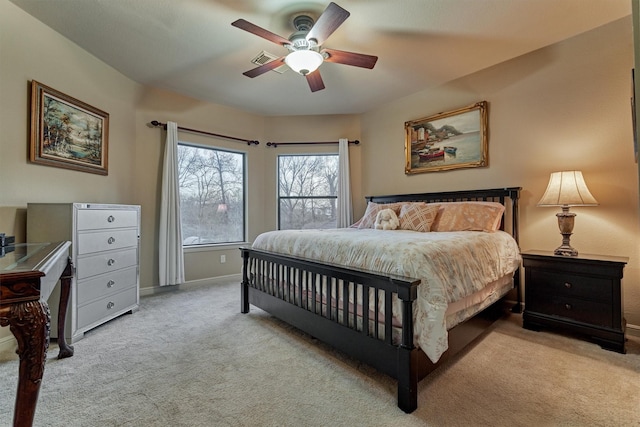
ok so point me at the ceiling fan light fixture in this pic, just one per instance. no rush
(304, 61)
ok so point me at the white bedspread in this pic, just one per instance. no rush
(451, 265)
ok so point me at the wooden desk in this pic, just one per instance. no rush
(28, 274)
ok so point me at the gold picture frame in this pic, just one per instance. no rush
(450, 140)
(67, 133)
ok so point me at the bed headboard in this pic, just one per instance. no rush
(506, 196)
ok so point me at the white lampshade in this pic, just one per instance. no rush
(304, 61)
(567, 189)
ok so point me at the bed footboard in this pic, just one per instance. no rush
(348, 309)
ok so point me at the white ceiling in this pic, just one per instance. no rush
(190, 47)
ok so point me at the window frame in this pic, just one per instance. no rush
(220, 245)
(279, 198)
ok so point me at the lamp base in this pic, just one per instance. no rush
(565, 224)
(565, 251)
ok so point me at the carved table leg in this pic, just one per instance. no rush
(29, 322)
(65, 288)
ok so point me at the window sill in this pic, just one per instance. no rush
(214, 247)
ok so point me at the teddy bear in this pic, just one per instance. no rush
(387, 219)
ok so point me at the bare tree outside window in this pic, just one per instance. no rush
(307, 191)
(212, 194)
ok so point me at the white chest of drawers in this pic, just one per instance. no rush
(105, 246)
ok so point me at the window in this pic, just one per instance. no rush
(307, 191)
(212, 195)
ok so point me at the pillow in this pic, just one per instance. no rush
(417, 216)
(468, 216)
(368, 220)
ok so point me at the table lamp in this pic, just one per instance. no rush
(567, 189)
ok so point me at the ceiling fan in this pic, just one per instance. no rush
(306, 53)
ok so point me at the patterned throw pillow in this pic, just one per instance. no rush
(468, 216)
(369, 218)
(417, 216)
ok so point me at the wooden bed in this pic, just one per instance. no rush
(273, 282)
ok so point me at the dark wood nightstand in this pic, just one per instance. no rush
(580, 294)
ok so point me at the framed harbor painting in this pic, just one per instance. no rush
(66, 132)
(450, 140)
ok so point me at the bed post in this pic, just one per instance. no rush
(244, 286)
(514, 194)
(407, 353)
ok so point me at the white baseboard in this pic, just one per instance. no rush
(191, 283)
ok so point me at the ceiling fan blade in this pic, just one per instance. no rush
(264, 68)
(350, 58)
(332, 17)
(315, 81)
(260, 32)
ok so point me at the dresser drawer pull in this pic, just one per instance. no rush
(110, 283)
(111, 240)
(111, 262)
(567, 285)
(110, 305)
(567, 306)
(111, 218)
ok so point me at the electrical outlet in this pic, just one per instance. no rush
(223, 259)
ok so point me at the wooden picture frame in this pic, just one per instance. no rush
(450, 140)
(67, 133)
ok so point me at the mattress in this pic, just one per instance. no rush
(460, 272)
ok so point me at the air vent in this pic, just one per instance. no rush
(264, 57)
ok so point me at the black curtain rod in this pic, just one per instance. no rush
(164, 125)
(275, 144)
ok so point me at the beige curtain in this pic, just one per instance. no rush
(170, 254)
(344, 216)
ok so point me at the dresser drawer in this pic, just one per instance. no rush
(106, 284)
(106, 262)
(90, 242)
(106, 307)
(580, 310)
(571, 285)
(91, 219)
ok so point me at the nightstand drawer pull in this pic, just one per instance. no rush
(567, 306)
(111, 262)
(111, 218)
(567, 285)
(110, 305)
(110, 283)
(112, 240)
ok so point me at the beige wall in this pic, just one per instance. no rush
(563, 107)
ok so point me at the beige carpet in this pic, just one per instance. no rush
(189, 358)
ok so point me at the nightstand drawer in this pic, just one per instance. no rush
(572, 285)
(571, 308)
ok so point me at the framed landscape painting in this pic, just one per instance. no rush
(66, 132)
(451, 140)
